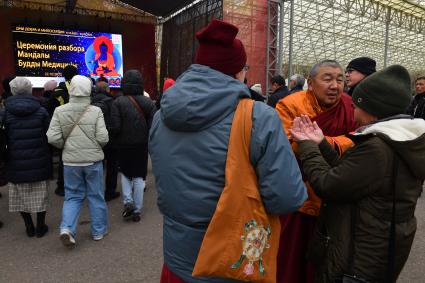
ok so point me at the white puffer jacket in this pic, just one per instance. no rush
(84, 144)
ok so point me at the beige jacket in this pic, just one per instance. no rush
(84, 144)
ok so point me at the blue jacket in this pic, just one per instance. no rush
(188, 147)
(28, 154)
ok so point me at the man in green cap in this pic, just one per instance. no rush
(369, 194)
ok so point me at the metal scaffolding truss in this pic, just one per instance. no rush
(274, 40)
(112, 9)
(179, 44)
(390, 31)
(259, 27)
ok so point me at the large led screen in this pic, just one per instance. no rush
(41, 54)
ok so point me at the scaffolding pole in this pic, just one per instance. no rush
(291, 39)
(387, 31)
(268, 51)
(280, 35)
(274, 40)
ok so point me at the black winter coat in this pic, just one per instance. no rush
(49, 102)
(417, 106)
(256, 96)
(277, 95)
(128, 127)
(296, 89)
(356, 191)
(28, 155)
(104, 101)
(350, 91)
(130, 132)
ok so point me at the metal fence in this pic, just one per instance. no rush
(179, 43)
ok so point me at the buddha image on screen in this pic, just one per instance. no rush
(104, 62)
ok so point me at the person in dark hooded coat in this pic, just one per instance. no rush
(279, 90)
(366, 224)
(28, 162)
(103, 98)
(132, 115)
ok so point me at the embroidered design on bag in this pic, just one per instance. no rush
(254, 241)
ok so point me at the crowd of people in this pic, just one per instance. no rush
(91, 129)
(306, 184)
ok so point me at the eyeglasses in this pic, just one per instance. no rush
(246, 68)
(349, 71)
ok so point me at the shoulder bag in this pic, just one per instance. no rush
(242, 240)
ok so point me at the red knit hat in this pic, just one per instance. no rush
(219, 48)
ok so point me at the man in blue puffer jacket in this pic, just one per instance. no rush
(188, 146)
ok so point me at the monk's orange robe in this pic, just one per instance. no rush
(292, 106)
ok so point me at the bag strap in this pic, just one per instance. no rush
(353, 237)
(139, 109)
(246, 106)
(78, 121)
(392, 240)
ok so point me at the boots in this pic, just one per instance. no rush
(29, 225)
(42, 228)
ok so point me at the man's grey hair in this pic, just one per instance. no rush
(325, 63)
(299, 80)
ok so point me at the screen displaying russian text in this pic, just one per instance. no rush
(41, 54)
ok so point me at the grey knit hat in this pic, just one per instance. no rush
(384, 93)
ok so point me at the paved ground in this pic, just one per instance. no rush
(413, 271)
(132, 252)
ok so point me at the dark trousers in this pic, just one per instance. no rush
(111, 161)
(60, 175)
(3, 180)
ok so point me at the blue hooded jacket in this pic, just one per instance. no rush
(188, 146)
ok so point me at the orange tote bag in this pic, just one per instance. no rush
(242, 240)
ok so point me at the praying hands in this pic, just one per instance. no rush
(303, 129)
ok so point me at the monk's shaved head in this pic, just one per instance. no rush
(326, 82)
(325, 63)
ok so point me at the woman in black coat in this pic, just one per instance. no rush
(132, 115)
